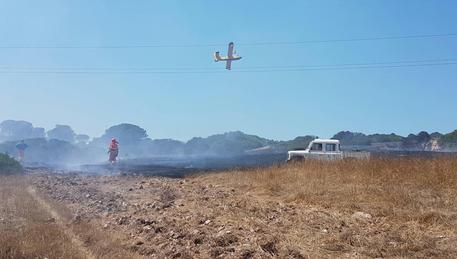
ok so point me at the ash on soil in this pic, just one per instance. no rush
(172, 218)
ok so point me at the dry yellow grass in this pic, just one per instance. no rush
(33, 226)
(389, 208)
(401, 185)
(412, 201)
(28, 230)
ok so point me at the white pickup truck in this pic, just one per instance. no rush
(325, 149)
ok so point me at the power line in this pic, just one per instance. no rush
(140, 46)
(234, 71)
(355, 64)
(351, 67)
(109, 46)
(146, 69)
(423, 36)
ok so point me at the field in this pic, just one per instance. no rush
(378, 208)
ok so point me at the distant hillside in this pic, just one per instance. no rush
(63, 145)
(359, 139)
(423, 141)
(301, 142)
(230, 143)
(237, 142)
(449, 141)
(13, 130)
(54, 151)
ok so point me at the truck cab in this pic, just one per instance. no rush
(324, 149)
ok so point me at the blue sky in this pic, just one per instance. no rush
(279, 105)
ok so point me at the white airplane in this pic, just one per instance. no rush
(231, 56)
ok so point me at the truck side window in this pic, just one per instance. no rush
(316, 147)
(330, 147)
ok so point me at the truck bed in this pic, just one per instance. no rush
(297, 155)
(357, 155)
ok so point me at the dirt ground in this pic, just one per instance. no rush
(227, 215)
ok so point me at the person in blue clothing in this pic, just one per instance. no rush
(21, 147)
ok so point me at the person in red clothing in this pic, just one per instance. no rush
(113, 150)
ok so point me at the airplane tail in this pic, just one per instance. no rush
(217, 57)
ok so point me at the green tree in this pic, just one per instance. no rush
(62, 132)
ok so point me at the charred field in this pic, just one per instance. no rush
(385, 207)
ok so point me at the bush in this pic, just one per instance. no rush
(9, 166)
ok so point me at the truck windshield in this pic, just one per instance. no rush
(316, 147)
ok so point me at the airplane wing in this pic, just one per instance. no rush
(230, 50)
(217, 57)
(228, 65)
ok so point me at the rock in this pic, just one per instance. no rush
(77, 218)
(207, 222)
(147, 228)
(216, 252)
(123, 221)
(139, 242)
(393, 243)
(361, 215)
(51, 220)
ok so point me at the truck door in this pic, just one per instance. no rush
(316, 147)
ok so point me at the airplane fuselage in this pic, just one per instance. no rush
(229, 58)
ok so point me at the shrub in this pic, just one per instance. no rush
(9, 166)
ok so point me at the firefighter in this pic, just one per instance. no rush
(21, 147)
(113, 151)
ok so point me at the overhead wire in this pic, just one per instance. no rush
(148, 68)
(267, 43)
(208, 70)
(297, 69)
(422, 36)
